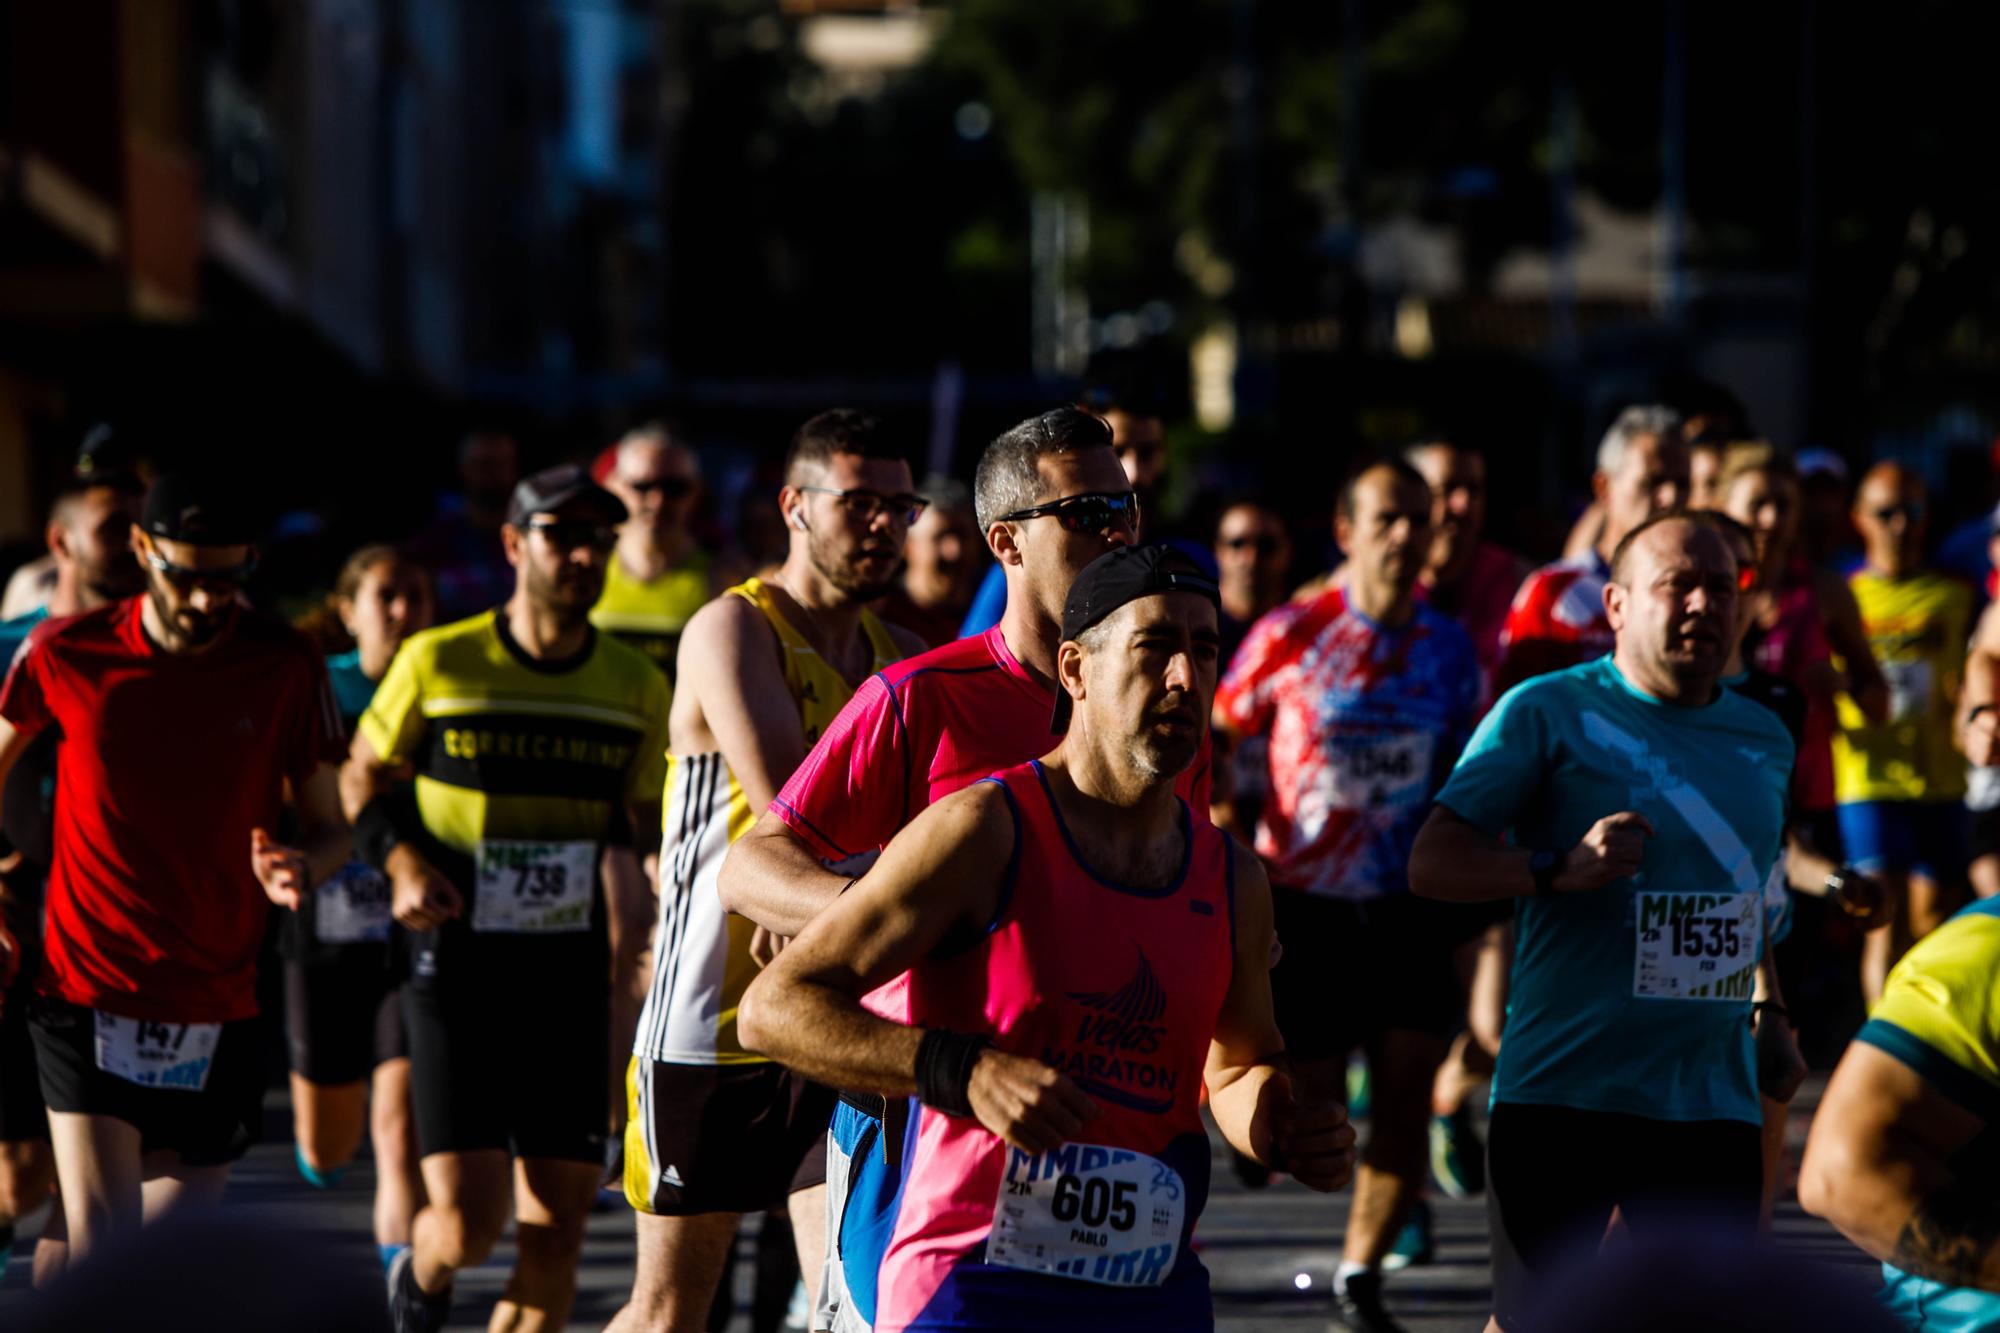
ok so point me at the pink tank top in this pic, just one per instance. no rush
(1119, 988)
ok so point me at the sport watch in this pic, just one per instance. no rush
(1545, 865)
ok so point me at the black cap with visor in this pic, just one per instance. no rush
(1125, 574)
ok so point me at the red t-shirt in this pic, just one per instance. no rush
(167, 762)
(1561, 605)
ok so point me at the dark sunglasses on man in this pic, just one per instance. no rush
(1265, 545)
(186, 578)
(672, 488)
(567, 534)
(1093, 512)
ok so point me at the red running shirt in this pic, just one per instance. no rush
(167, 762)
(1560, 604)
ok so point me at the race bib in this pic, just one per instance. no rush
(156, 1055)
(1105, 1215)
(1369, 772)
(352, 907)
(1909, 689)
(534, 888)
(1697, 946)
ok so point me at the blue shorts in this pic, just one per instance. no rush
(1927, 838)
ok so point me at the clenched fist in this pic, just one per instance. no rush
(1610, 851)
(1031, 1106)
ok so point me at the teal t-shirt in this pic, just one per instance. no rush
(1634, 998)
(351, 689)
(14, 633)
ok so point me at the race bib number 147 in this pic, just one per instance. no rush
(156, 1055)
(1105, 1215)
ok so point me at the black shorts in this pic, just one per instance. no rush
(521, 1068)
(343, 1016)
(24, 1117)
(721, 1138)
(1554, 1174)
(1352, 970)
(210, 1127)
(1985, 836)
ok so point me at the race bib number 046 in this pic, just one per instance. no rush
(534, 888)
(156, 1055)
(1106, 1215)
(1697, 946)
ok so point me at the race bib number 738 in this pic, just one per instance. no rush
(1105, 1215)
(534, 888)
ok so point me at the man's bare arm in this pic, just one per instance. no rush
(772, 877)
(1848, 635)
(1877, 1166)
(1979, 702)
(1460, 862)
(731, 684)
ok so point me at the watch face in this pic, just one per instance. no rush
(1541, 862)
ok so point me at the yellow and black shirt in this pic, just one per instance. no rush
(650, 614)
(524, 771)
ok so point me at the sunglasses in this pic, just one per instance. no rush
(1888, 513)
(673, 488)
(186, 578)
(567, 534)
(868, 505)
(1264, 545)
(1085, 513)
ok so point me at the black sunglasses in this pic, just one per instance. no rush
(566, 534)
(187, 577)
(1265, 545)
(1085, 513)
(1888, 513)
(673, 488)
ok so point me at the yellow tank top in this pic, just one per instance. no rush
(650, 614)
(1917, 628)
(701, 955)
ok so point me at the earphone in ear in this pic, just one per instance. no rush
(798, 520)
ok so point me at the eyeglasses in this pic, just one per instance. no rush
(1085, 513)
(1266, 545)
(1889, 513)
(672, 488)
(186, 578)
(868, 505)
(567, 534)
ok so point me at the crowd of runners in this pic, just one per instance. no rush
(942, 906)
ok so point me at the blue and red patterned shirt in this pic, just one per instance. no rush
(1362, 724)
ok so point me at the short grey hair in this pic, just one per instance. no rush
(1008, 477)
(1633, 423)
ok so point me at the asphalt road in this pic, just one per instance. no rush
(1271, 1253)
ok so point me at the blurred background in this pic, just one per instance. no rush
(321, 241)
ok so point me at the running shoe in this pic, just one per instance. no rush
(411, 1308)
(1413, 1247)
(1458, 1158)
(1357, 1306)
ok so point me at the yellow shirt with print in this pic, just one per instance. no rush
(1917, 627)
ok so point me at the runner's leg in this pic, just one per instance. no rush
(171, 1185)
(470, 1196)
(27, 1174)
(52, 1250)
(680, 1261)
(98, 1171)
(808, 1211)
(1401, 1066)
(399, 1184)
(327, 1120)
(551, 1204)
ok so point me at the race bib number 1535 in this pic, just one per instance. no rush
(1697, 946)
(1105, 1215)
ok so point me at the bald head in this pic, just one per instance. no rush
(1889, 513)
(1672, 603)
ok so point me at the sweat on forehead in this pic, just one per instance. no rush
(1695, 529)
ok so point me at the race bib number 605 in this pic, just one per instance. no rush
(534, 888)
(1105, 1215)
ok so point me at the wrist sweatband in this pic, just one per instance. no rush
(944, 1070)
(385, 821)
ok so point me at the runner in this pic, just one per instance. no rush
(1466, 577)
(943, 563)
(183, 718)
(1558, 619)
(1901, 782)
(1366, 697)
(343, 1009)
(1900, 1155)
(658, 577)
(1083, 954)
(714, 1131)
(1646, 809)
(1253, 556)
(89, 537)
(1051, 499)
(536, 744)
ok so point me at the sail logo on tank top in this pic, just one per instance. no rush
(1110, 1048)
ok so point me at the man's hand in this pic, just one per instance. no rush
(1982, 738)
(280, 869)
(765, 946)
(1030, 1105)
(419, 897)
(1780, 1067)
(1865, 898)
(1316, 1145)
(1610, 851)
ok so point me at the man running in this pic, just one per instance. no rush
(1901, 1153)
(537, 746)
(1083, 954)
(1646, 807)
(1901, 782)
(658, 577)
(1051, 498)
(90, 549)
(184, 717)
(1366, 697)
(1558, 617)
(715, 1131)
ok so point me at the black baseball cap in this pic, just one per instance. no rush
(552, 488)
(200, 512)
(1125, 574)
(106, 458)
